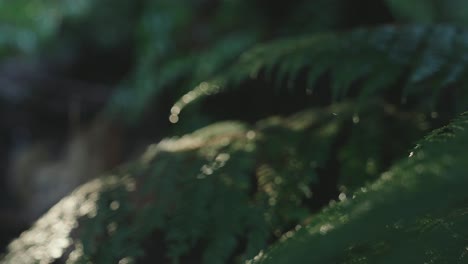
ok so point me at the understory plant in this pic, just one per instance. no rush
(301, 133)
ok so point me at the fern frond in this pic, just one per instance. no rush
(405, 216)
(214, 168)
(146, 86)
(417, 57)
(246, 185)
(130, 102)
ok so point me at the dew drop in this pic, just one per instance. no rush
(325, 229)
(188, 97)
(173, 118)
(250, 135)
(207, 170)
(355, 119)
(114, 205)
(111, 227)
(130, 186)
(125, 261)
(278, 180)
(342, 196)
(223, 157)
(175, 110)
(204, 86)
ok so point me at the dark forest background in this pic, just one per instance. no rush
(229, 131)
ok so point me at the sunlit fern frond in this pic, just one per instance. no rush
(149, 82)
(246, 185)
(404, 216)
(421, 59)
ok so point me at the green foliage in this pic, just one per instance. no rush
(164, 59)
(186, 70)
(230, 214)
(25, 24)
(245, 187)
(232, 189)
(224, 204)
(219, 36)
(47, 26)
(414, 57)
(404, 216)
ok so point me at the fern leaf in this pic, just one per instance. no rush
(212, 168)
(378, 57)
(404, 216)
(246, 185)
